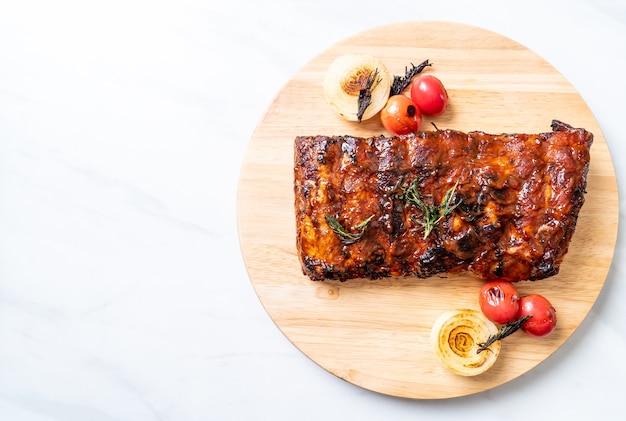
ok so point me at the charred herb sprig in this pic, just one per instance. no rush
(431, 214)
(348, 236)
(506, 330)
(365, 94)
(400, 83)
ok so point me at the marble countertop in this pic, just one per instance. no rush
(123, 293)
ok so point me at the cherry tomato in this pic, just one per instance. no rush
(499, 301)
(429, 94)
(543, 320)
(400, 115)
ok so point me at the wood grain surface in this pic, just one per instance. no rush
(375, 334)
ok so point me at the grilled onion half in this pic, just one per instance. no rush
(350, 73)
(456, 337)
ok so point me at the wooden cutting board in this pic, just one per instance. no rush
(376, 334)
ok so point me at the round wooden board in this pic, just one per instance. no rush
(375, 334)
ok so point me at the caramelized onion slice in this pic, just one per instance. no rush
(345, 78)
(456, 337)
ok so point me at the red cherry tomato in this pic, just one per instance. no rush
(499, 301)
(400, 115)
(429, 94)
(543, 320)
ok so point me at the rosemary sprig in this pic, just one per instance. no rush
(365, 94)
(431, 214)
(346, 236)
(400, 83)
(506, 330)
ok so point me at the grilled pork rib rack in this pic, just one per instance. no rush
(505, 206)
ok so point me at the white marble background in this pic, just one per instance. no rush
(123, 295)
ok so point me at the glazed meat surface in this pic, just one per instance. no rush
(505, 206)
